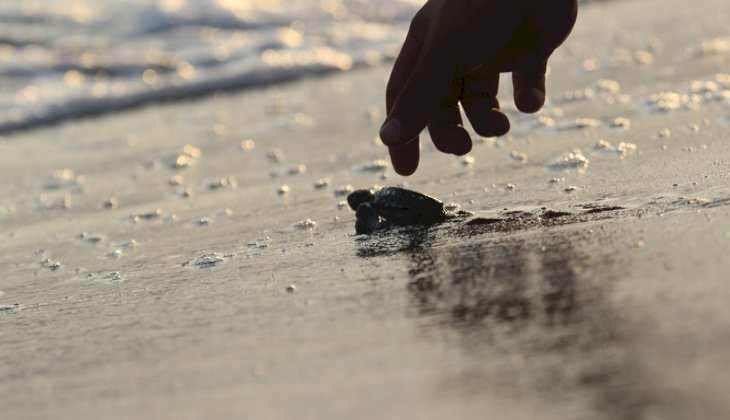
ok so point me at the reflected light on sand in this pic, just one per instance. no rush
(171, 6)
(149, 77)
(73, 78)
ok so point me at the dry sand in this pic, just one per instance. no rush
(143, 279)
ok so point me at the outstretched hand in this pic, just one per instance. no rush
(453, 54)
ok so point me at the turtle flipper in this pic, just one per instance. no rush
(367, 219)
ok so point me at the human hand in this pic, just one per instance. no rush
(453, 54)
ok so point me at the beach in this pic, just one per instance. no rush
(197, 258)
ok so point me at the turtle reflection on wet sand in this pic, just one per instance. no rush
(394, 206)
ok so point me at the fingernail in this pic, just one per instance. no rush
(529, 99)
(391, 132)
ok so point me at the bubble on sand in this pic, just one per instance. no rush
(510, 187)
(664, 133)
(275, 155)
(379, 165)
(321, 183)
(50, 264)
(176, 180)
(203, 221)
(711, 47)
(63, 179)
(575, 95)
(621, 122)
(544, 121)
(468, 161)
(186, 157)
(150, 215)
(344, 190)
(556, 180)
(114, 277)
(644, 58)
(260, 243)
(91, 238)
(298, 170)
(585, 122)
(210, 259)
(571, 160)
(229, 181)
(570, 188)
(111, 203)
(117, 253)
(518, 156)
(623, 149)
(10, 309)
(591, 64)
(247, 145)
(59, 203)
(608, 86)
(673, 101)
(693, 128)
(306, 224)
(291, 288)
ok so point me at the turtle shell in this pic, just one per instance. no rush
(406, 207)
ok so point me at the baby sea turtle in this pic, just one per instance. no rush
(397, 206)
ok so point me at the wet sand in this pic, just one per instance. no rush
(152, 264)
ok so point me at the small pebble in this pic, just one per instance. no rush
(570, 188)
(298, 170)
(275, 155)
(283, 190)
(111, 203)
(468, 161)
(291, 288)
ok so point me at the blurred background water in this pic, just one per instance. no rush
(62, 59)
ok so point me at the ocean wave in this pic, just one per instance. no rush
(62, 59)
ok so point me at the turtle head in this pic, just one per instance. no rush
(358, 197)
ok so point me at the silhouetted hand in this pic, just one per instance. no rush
(453, 54)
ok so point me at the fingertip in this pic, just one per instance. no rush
(529, 99)
(405, 158)
(391, 133)
(452, 139)
(493, 124)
